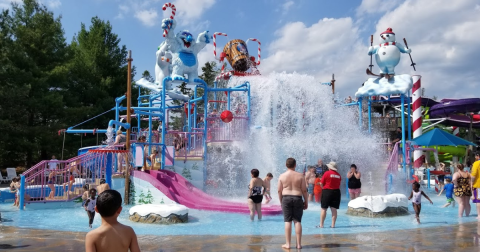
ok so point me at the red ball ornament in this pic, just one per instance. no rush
(226, 116)
(192, 105)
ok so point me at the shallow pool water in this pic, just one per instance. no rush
(216, 223)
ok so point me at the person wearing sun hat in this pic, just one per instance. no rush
(331, 195)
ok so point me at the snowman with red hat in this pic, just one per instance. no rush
(387, 53)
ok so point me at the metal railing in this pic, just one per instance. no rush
(219, 131)
(63, 180)
(186, 144)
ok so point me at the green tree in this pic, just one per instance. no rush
(34, 56)
(97, 75)
(141, 198)
(147, 76)
(186, 173)
(177, 115)
(149, 198)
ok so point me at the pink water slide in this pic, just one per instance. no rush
(180, 190)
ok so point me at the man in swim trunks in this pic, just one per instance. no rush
(310, 181)
(291, 188)
(476, 182)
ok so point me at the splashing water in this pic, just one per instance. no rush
(110, 140)
(293, 115)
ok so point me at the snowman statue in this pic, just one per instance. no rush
(387, 53)
(387, 56)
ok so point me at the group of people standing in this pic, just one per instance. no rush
(296, 190)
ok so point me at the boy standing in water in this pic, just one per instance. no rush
(266, 183)
(310, 181)
(448, 188)
(111, 236)
(291, 188)
(90, 206)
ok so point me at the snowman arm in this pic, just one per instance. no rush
(373, 50)
(403, 48)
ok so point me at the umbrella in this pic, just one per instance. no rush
(439, 137)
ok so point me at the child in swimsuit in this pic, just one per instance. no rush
(448, 188)
(255, 196)
(317, 189)
(51, 184)
(13, 189)
(85, 194)
(416, 196)
(90, 206)
(266, 182)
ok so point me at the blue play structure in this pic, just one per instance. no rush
(154, 107)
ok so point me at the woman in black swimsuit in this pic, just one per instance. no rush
(255, 195)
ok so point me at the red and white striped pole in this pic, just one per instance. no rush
(215, 43)
(417, 117)
(259, 49)
(456, 131)
(172, 16)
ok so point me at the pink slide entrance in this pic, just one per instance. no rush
(180, 190)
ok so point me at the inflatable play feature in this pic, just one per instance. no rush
(387, 56)
(159, 213)
(379, 206)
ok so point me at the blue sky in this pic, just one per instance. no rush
(307, 36)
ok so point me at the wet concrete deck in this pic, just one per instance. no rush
(463, 237)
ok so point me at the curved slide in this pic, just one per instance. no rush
(180, 190)
(454, 110)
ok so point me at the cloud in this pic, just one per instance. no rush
(377, 6)
(286, 6)
(150, 13)
(147, 17)
(53, 4)
(122, 11)
(328, 46)
(6, 4)
(442, 34)
(189, 11)
(206, 55)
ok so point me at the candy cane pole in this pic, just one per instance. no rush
(417, 117)
(259, 50)
(165, 6)
(215, 42)
(456, 131)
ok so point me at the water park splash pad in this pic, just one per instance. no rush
(204, 168)
(292, 115)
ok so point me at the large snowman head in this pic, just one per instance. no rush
(387, 36)
(185, 39)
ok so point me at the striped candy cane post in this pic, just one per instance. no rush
(165, 6)
(259, 50)
(417, 117)
(456, 131)
(215, 43)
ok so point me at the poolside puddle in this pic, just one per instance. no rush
(9, 246)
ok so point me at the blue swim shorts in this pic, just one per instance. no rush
(310, 188)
